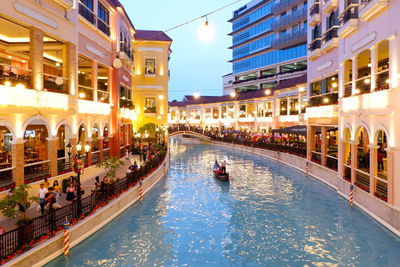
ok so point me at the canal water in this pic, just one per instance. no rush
(268, 215)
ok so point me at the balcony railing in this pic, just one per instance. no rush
(104, 27)
(36, 171)
(347, 173)
(362, 180)
(381, 188)
(284, 5)
(106, 153)
(351, 12)
(290, 19)
(315, 44)
(126, 49)
(243, 81)
(290, 39)
(126, 103)
(49, 84)
(316, 157)
(15, 75)
(331, 162)
(348, 89)
(382, 80)
(102, 96)
(330, 34)
(6, 176)
(85, 92)
(95, 158)
(363, 85)
(150, 109)
(86, 13)
(325, 99)
(63, 165)
(314, 9)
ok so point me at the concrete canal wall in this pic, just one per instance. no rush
(52, 248)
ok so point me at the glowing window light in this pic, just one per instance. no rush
(82, 95)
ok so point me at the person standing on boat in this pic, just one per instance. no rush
(223, 167)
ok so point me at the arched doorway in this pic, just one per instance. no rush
(380, 180)
(6, 174)
(36, 152)
(106, 142)
(347, 154)
(362, 165)
(95, 145)
(63, 160)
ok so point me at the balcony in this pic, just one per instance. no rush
(348, 21)
(150, 110)
(324, 99)
(87, 13)
(289, 20)
(67, 4)
(323, 111)
(382, 80)
(369, 9)
(330, 39)
(348, 89)
(284, 5)
(126, 103)
(329, 5)
(125, 53)
(315, 16)
(314, 49)
(363, 85)
(90, 107)
(290, 39)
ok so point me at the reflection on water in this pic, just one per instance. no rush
(269, 215)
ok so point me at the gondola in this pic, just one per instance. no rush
(220, 176)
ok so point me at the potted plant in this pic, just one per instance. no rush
(110, 165)
(15, 205)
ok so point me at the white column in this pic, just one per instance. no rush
(374, 67)
(394, 57)
(342, 80)
(288, 106)
(354, 72)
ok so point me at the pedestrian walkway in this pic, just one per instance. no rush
(87, 182)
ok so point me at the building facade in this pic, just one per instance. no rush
(66, 75)
(268, 44)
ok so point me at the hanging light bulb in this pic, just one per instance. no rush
(206, 32)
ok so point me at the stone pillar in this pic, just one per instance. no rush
(300, 102)
(101, 148)
(394, 57)
(17, 150)
(52, 145)
(71, 59)
(390, 176)
(374, 66)
(395, 178)
(341, 157)
(354, 151)
(373, 167)
(88, 155)
(36, 57)
(354, 76)
(324, 145)
(94, 80)
(310, 141)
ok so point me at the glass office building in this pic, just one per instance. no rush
(268, 44)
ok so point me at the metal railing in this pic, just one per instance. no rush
(126, 103)
(332, 162)
(382, 80)
(36, 171)
(7, 75)
(6, 177)
(362, 180)
(314, 9)
(330, 34)
(85, 92)
(103, 26)
(102, 96)
(63, 165)
(351, 12)
(363, 85)
(315, 44)
(49, 84)
(284, 5)
(324, 99)
(290, 39)
(290, 19)
(316, 156)
(381, 189)
(121, 152)
(348, 89)
(22, 239)
(150, 109)
(87, 13)
(95, 158)
(106, 153)
(347, 173)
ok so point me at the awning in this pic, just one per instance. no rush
(298, 130)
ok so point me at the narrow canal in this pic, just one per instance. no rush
(269, 215)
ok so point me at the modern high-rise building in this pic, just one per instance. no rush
(268, 46)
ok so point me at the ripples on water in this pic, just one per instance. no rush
(269, 215)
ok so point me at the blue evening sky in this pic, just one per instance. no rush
(195, 65)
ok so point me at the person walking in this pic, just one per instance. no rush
(42, 195)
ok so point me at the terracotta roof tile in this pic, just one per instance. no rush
(152, 36)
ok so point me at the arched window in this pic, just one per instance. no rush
(316, 33)
(332, 20)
